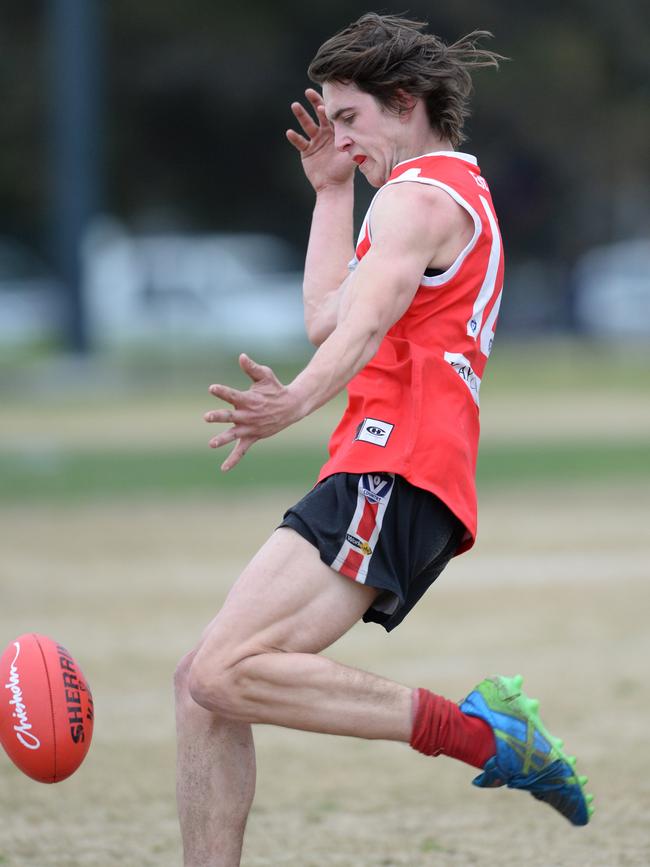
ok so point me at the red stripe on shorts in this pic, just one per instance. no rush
(351, 564)
(368, 521)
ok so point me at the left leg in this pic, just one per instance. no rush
(258, 660)
(259, 663)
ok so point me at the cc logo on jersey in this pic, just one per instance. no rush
(375, 431)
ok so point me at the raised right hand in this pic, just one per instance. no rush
(323, 165)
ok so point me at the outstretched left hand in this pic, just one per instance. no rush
(259, 412)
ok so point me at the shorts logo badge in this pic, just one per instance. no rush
(376, 486)
(375, 431)
(361, 544)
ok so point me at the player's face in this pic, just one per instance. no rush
(372, 136)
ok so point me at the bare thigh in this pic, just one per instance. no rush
(285, 600)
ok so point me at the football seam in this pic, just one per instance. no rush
(49, 688)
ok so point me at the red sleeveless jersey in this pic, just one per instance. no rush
(414, 408)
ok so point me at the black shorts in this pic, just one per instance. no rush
(380, 530)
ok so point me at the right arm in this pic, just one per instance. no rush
(330, 247)
(329, 250)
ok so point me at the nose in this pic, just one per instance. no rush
(342, 141)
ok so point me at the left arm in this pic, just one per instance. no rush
(410, 224)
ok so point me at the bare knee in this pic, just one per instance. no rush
(199, 687)
(213, 683)
(182, 693)
(219, 686)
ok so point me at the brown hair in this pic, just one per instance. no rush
(388, 55)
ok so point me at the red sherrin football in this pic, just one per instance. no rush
(46, 709)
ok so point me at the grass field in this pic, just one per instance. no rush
(120, 539)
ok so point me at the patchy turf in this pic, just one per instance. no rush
(556, 588)
(548, 414)
(120, 538)
(36, 474)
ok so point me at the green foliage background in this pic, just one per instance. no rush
(196, 101)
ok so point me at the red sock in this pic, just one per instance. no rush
(440, 727)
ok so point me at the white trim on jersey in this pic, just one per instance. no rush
(366, 222)
(413, 176)
(487, 333)
(489, 281)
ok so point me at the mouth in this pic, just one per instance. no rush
(360, 159)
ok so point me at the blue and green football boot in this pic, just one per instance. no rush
(527, 756)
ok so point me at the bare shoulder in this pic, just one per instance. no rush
(420, 209)
(424, 200)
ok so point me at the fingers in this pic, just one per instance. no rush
(305, 120)
(236, 454)
(314, 97)
(224, 392)
(298, 141)
(310, 127)
(239, 416)
(225, 437)
(316, 101)
(222, 416)
(256, 371)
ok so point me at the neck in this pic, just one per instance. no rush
(418, 136)
(425, 144)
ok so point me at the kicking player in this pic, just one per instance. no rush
(406, 322)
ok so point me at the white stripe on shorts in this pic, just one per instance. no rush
(362, 500)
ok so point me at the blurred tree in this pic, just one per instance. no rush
(23, 157)
(198, 100)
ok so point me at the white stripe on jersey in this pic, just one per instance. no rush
(413, 175)
(463, 368)
(489, 281)
(366, 223)
(487, 334)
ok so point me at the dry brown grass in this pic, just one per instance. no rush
(557, 588)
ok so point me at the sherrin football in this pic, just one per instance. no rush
(46, 708)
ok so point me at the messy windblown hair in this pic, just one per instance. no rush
(389, 56)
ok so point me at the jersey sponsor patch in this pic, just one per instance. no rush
(464, 369)
(375, 431)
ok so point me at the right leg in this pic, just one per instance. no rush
(215, 779)
(293, 601)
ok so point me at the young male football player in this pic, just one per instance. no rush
(406, 322)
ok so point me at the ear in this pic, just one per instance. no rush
(406, 103)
